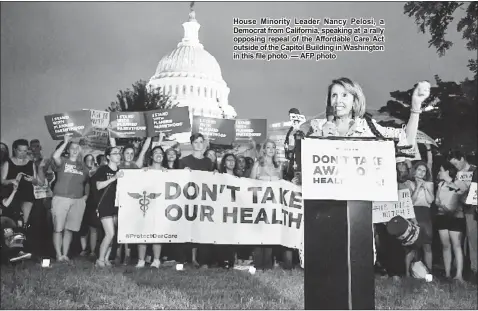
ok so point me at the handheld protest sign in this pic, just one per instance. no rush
(127, 125)
(251, 128)
(340, 178)
(169, 121)
(217, 131)
(73, 122)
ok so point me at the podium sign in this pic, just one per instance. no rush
(340, 179)
(349, 170)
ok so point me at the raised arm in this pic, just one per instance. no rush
(429, 157)
(57, 154)
(140, 161)
(112, 142)
(420, 93)
(254, 171)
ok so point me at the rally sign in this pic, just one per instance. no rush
(73, 122)
(471, 198)
(217, 131)
(465, 177)
(171, 121)
(42, 192)
(251, 128)
(100, 119)
(127, 125)
(192, 206)
(423, 138)
(384, 211)
(358, 170)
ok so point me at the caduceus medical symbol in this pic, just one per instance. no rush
(144, 200)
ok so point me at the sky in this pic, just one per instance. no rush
(59, 56)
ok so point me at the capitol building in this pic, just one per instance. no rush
(192, 77)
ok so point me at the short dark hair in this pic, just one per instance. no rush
(108, 151)
(19, 142)
(452, 171)
(294, 110)
(98, 158)
(86, 156)
(157, 147)
(195, 137)
(456, 154)
(34, 141)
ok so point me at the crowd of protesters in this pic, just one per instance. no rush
(84, 195)
(80, 217)
(447, 225)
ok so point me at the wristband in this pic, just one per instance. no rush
(415, 111)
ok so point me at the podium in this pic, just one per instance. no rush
(338, 234)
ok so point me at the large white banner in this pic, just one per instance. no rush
(191, 206)
(471, 198)
(349, 170)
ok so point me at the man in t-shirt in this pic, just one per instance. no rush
(69, 196)
(465, 173)
(198, 162)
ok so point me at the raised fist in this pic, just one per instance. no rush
(420, 94)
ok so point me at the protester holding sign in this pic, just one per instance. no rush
(450, 220)
(266, 168)
(69, 196)
(226, 253)
(422, 190)
(465, 172)
(171, 161)
(197, 161)
(106, 177)
(129, 163)
(89, 225)
(157, 157)
(21, 171)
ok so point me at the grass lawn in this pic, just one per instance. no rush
(81, 286)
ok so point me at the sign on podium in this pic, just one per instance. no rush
(340, 179)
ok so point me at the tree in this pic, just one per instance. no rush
(140, 99)
(436, 17)
(453, 122)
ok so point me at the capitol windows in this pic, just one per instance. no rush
(177, 89)
(210, 93)
(191, 90)
(199, 91)
(170, 91)
(184, 89)
(205, 91)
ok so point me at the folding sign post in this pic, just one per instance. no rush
(338, 242)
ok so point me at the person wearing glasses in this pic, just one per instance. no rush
(106, 180)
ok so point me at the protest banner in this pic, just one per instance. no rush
(217, 131)
(471, 198)
(99, 119)
(251, 128)
(384, 211)
(127, 125)
(202, 207)
(95, 139)
(423, 138)
(464, 176)
(74, 122)
(349, 170)
(169, 121)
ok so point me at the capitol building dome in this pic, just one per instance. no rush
(192, 77)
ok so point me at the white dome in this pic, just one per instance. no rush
(189, 61)
(192, 76)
